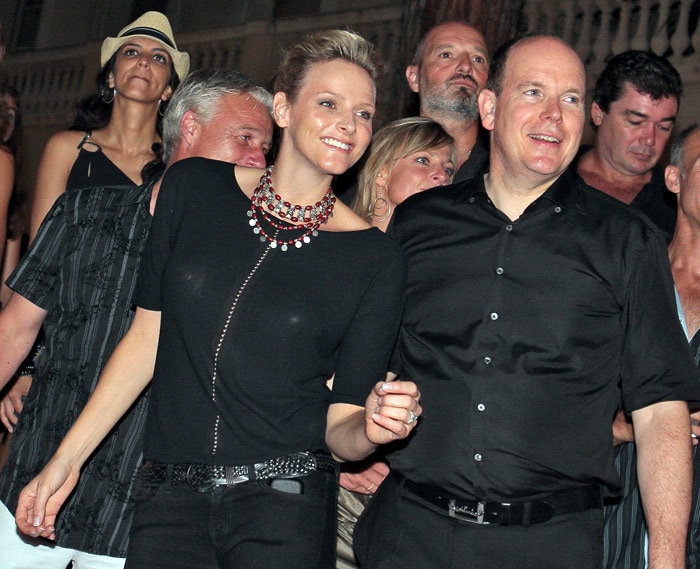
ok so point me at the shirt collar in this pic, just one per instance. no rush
(565, 192)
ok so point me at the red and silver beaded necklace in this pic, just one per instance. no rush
(307, 218)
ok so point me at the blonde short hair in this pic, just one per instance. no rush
(392, 142)
(320, 47)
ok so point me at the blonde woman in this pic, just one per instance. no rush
(406, 156)
(255, 287)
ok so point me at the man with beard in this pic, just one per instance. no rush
(450, 67)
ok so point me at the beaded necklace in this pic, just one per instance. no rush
(309, 217)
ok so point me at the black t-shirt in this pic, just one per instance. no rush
(524, 335)
(654, 200)
(291, 318)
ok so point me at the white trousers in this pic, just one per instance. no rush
(21, 552)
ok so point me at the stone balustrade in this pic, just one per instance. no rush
(598, 29)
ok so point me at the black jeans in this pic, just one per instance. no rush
(244, 526)
(400, 531)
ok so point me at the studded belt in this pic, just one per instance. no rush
(206, 477)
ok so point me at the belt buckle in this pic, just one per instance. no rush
(199, 478)
(468, 514)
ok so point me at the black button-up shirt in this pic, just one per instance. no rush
(525, 335)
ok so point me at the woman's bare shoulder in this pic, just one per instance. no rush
(66, 138)
(344, 219)
(248, 178)
(61, 150)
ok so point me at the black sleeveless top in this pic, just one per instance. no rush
(92, 168)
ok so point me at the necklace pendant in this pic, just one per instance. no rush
(249, 213)
(314, 233)
(284, 247)
(298, 244)
(263, 238)
(273, 244)
(252, 223)
(306, 240)
(256, 230)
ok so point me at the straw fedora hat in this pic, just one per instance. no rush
(151, 25)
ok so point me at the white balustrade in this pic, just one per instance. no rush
(600, 28)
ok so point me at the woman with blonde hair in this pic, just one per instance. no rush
(406, 156)
(256, 286)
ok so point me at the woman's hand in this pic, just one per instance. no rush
(392, 410)
(390, 413)
(41, 499)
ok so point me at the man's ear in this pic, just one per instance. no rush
(280, 109)
(412, 77)
(596, 114)
(672, 175)
(189, 127)
(487, 108)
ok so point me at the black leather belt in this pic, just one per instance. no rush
(525, 513)
(206, 477)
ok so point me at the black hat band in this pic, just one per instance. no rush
(152, 32)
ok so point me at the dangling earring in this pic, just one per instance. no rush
(161, 112)
(105, 92)
(380, 204)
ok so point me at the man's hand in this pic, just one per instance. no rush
(363, 477)
(12, 404)
(623, 430)
(695, 426)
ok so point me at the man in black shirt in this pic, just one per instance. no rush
(534, 304)
(634, 108)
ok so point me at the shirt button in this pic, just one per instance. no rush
(557, 209)
(509, 227)
(499, 271)
(481, 407)
(487, 360)
(494, 316)
(472, 199)
(478, 457)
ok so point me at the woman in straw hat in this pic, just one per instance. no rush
(256, 286)
(81, 277)
(116, 132)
